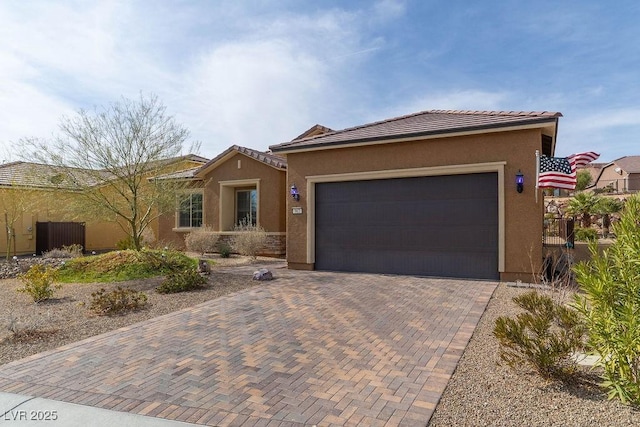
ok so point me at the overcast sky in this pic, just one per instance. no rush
(260, 72)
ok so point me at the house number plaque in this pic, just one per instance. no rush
(297, 210)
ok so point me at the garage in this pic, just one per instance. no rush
(444, 226)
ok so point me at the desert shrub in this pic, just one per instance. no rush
(585, 234)
(127, 243)
(545, 336)
(201, 240)
(38, 282)
(71, 251)
(182, 281)
(225, 250)
(611, 303)
(248, 239)
(117, 301)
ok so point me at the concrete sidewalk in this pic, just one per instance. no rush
(17, 411)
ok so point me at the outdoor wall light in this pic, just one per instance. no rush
(294, 193)
(519, 181)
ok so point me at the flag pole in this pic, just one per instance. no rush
(537, 173)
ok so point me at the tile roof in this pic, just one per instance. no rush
(425, 123)
(182, 174)
(270, 159)
(313, 131)
(629, 164)
(26, 174)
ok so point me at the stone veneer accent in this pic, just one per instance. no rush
(276, 244)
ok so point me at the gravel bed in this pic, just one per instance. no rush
(66, 318)
(484, 393)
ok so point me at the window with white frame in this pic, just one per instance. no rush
(190, 210)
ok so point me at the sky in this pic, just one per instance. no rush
(260, 72)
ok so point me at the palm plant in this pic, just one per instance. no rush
(584, 205)
(606, 207)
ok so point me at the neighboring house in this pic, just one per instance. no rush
(28, 200)
(239, 185)
(619, 176)
(431, 193)
(594, 170)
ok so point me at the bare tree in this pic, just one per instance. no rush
(111, 156)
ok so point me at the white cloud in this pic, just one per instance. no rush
(469, 99)
(385, 10)
(253, 94)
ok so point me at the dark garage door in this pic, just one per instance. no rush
(434, 226)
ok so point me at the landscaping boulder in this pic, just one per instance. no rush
(203, 267)
(262, 274)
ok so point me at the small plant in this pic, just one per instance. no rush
(127, 243)
(202, 240)
(248, 239)
(31, 330)
(544, 337)
(225, 250)
(611, 303)
(117, 301)
(585, 234)
(71, 251)
(182, 281)
(38, 282)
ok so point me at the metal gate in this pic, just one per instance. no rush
(52, 235)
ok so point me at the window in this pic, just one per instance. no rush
(246, 207)
(190, 210)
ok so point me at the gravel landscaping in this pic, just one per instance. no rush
(66, 318)
(484, 393)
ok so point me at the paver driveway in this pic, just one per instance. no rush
(308, 348)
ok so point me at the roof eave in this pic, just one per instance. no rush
(224, 157)
(447, 133)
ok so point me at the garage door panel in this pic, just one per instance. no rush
(440, 226)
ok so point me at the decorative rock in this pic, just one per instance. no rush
(203, 267)
(262, 274)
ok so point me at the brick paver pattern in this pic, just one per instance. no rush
(307, 348)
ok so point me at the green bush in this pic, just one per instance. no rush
(118, 266)
(611, 305)
(117, 301)
(544, 337)
(585, 234)
(182, 281)
(224, 250)
(38, 282)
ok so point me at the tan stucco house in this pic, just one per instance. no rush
(431, 193)
(238, 185)
(29, 204)
(619, 176)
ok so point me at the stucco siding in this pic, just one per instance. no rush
(522, 215)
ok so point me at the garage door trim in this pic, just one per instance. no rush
(498, 167)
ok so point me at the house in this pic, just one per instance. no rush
(28, 201)
(431, 193)
(238, 185)
(619, 176)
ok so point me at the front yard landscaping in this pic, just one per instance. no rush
(27, 328)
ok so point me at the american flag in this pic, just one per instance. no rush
(560, 172)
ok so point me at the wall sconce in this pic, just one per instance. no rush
(294, 193)
(519, 181)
